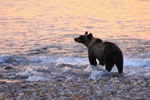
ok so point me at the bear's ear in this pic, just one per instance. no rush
(86, 32)
(90, 36)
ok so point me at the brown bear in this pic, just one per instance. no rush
(107, 53)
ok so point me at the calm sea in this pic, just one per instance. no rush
(37, 36)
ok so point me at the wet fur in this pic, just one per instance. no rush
(107, 53)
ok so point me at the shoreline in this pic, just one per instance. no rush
(136, 87)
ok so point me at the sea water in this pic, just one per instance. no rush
(37, 37)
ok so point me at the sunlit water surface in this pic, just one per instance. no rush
(36, 36)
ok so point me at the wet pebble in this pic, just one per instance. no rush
(107, 88)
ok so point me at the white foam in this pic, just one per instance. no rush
(132, 62)
(27, 72)
(128, 62)
(95, 72)
(88, 69)
(132, 66)
(24, 73)
(136, 62)
(72, 60)
(35, 78)
(95, 75)
(147, 74)
(61, 60)
(91, 68)
(65, 69)
(42, 59)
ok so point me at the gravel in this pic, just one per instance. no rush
(106, 88)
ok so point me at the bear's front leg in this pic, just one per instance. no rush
(92, 60)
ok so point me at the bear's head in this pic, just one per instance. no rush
(84, 39)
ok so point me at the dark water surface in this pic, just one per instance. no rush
(37, 36)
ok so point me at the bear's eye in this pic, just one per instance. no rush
(82, 37)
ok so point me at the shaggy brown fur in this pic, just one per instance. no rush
(107, 53)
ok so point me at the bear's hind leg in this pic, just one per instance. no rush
(120, 67)
(109, 66)
(119, 63)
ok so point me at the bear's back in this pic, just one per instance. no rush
(110, 47)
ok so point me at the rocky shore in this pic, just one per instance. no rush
(106, 88)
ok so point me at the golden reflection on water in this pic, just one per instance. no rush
(125, 9)
(128, 17)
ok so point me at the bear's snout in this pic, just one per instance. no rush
(75, 39)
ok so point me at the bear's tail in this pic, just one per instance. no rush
(119, 62)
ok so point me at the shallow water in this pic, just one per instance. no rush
(37, 36)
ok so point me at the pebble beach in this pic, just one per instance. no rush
(106, 88)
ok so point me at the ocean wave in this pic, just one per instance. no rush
(35, 68)
(13, 59)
